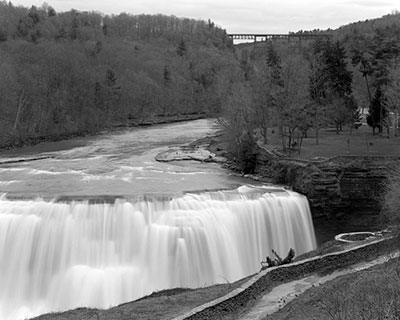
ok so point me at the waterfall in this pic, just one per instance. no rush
(60, 255)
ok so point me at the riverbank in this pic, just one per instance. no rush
(335, 182)
(344, 192)
(23, 141)
(231, 301)
(369, 294)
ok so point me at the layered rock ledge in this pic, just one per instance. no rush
(333, 186)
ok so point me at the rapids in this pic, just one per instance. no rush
(96, 222)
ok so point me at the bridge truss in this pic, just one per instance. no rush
(266, 37)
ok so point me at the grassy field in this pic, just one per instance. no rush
(370, 294)
(361, 141)
(163, 305)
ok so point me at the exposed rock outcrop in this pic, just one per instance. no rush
(189, 153)
(333, 186)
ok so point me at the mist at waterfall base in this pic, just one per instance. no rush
(60, 255)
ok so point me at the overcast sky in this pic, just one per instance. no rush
(241, 16)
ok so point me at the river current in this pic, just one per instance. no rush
(97, 221)
(114, 164)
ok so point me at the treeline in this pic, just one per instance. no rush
(287, 94)
(291, 89)
(367, 27)
(77, 72)
(375, 58)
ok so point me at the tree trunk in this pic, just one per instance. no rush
(290, 138)
(22, 100)
(282, 130)
(369, 92)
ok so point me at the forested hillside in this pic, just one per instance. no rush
(291, 88)
(368, 27)
(77, 72)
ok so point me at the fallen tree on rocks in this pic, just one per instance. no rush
(277, 260)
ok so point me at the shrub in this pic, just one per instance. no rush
(247, 153)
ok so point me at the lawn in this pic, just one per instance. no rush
(163, 305)
(361, 141)
(370, 294)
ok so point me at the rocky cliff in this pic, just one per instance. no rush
(333, 186)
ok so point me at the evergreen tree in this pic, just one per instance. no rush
(331, 81)
(377, 112)
(374, 55)
(275, 86)
(273, 63)
(340, 78)
(331, 74)
(245, 65)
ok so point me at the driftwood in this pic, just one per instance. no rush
(277, 260)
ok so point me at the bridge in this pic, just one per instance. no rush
(258, 37)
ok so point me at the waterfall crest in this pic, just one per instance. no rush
(60, 255)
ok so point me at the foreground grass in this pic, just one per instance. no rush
(370, 294)
(163, 305)
(168, 304)
(327, 300)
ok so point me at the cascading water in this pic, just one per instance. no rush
(61, 255)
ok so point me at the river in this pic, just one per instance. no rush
(114, 164)
(96, 221)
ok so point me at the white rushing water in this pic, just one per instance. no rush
(57, 256)
(120, 245)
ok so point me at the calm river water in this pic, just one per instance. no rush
(114, 164)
